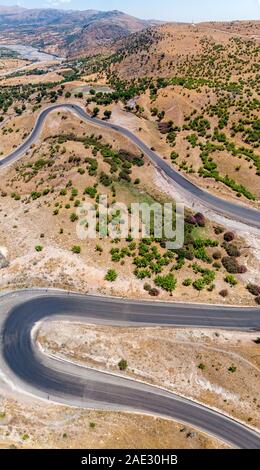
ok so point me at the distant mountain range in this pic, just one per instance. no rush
(68, 32)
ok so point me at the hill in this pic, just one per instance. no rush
(71, 33)
(199, 87)
(159, 50)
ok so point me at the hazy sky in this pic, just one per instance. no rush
(171, 10)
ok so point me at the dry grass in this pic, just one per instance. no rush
(43, 426)
(7, 65)
(51, 77)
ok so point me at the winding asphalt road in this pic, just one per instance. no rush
(27, 367)
(68, 383)
(229, 209)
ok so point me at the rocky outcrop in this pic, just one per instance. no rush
(4, 263)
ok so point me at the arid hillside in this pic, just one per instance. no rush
(216, 367)
(199, 85)
(173, 47)
(68, 33)
(196, 103)
(40, 207)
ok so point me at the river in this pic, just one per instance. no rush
(30, 53)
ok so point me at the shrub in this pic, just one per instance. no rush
(147, 287)
(211, 287)
(90, 191)
(16, 196)
(74, 192)
(208, 276)
(254, 289)
(189, 255)
(202, 255)
(38, 248)
(229, 236)
(174, 156)
(105, 179)
(200, 219)
(242, 269)
(142, 273)
(216, 265)
(35, 195)
(217, 255)
(167, 283)
(107, 113)
(231, 265)
(232, 250)
(191, 219)
(199, 284)
(202, 243)
(154, 292)
(111, 275)
(76, 250)
(218, 230)
(224, 293)
(96, 111)
(122, 365)
(231, 280)
(73, 217)
(187, 282)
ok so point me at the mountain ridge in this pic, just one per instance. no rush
(68, 32)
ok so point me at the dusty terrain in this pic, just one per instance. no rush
(45, 222)
(201, 95)
(7, 65)
(14, 131)
(32, 78)
(166, 49)
(25, 425)
(176, 107)
(218, 368)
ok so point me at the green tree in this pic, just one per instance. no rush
(107, 113)
(96, 111)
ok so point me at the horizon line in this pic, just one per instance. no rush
(63, 8)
